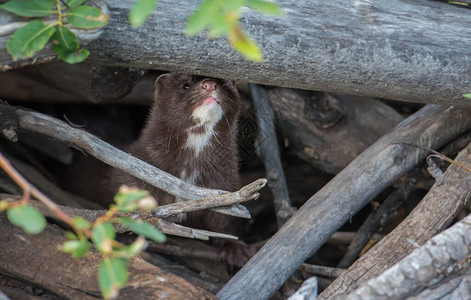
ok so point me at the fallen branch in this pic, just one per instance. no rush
(421, 267)
(11, 117)
(321, 270)
(267, 149)
(91, 215)
(248, 192)
(433, 214)
(364, 178)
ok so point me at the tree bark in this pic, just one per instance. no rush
(373, 170)
(392, 49)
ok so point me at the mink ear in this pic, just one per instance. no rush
(160, 83)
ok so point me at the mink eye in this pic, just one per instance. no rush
(186, 86)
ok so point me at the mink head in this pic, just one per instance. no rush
(195, 102)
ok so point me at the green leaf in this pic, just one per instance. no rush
(221, 25)
(245, 45)
(127, 198)
(71, 236)
(140, 11)
(112, 276)
(467, 96)
(143, 228)
(233, 6)
(266, 7)
(77, 248)
(28, 218)
(102, 236)
(29, 39)
(202, 17)
(134, 249)
(80, 223)
(66, 46)
(87, 17)
(37, 8)
(74, 3)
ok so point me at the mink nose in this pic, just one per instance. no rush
(209, 85)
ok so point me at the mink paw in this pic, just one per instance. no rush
(236, 253)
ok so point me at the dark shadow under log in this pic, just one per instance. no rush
(372, 171)
(329, 131)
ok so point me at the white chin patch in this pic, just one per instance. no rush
(206, 115)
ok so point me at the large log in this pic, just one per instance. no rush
(396, 49)
(37, 259)
(364, 178)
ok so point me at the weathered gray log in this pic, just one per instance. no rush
(391, 49)
(37, 259)
(373, 170)
(266, 147)
(421, 267)
(329, 131)
(433, 214)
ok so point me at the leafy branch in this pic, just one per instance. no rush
(112, 272)
(35, 35)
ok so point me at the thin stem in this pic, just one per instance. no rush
(59, 12)
(29, 190)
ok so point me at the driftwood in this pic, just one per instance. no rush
(29, 258)
(434, 213)
(266, 146)
(330, 131)
(422, 266)
(373, 170)
(389, 49)
(39, 123)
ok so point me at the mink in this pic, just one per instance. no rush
(191, 134)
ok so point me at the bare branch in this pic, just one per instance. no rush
(267, 150)
(321, 270)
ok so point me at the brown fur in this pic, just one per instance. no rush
(162, 144)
